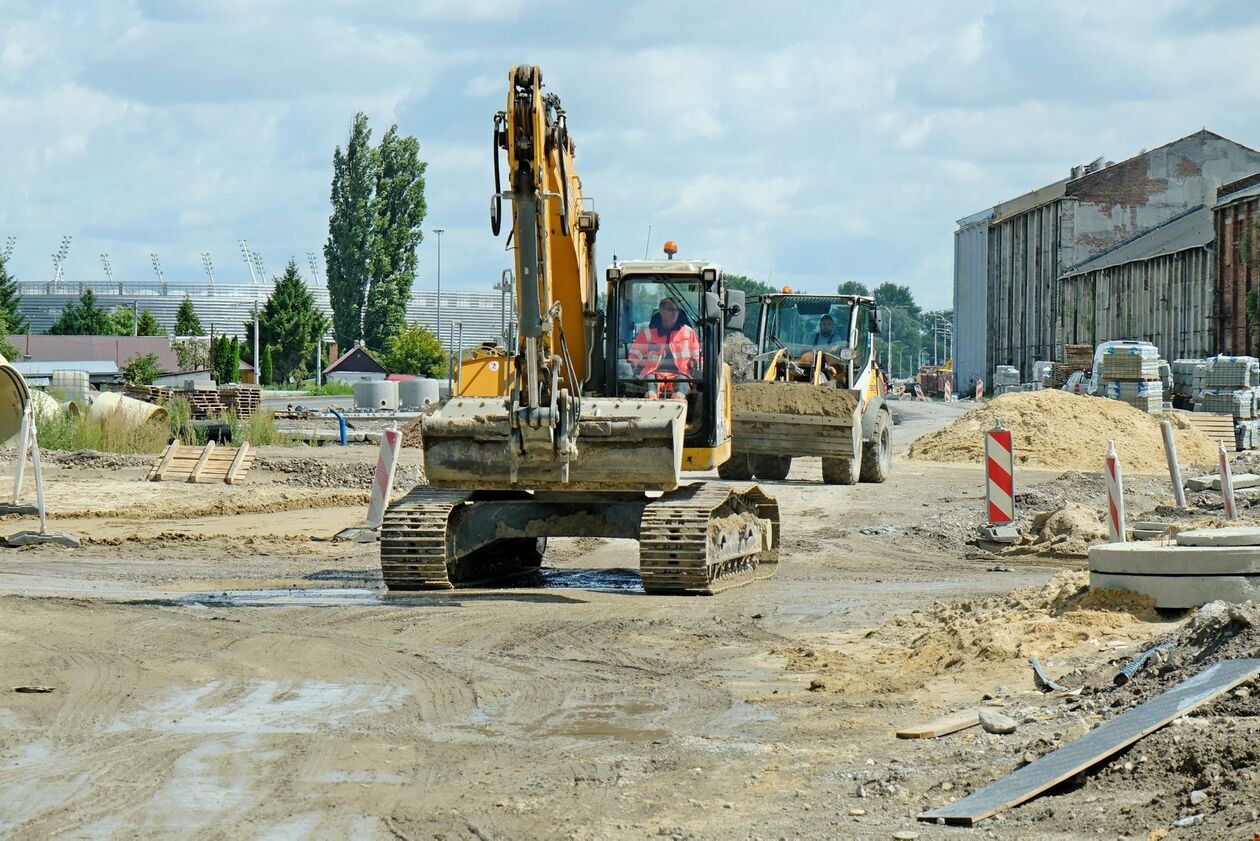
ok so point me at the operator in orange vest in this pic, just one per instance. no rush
(667, 350)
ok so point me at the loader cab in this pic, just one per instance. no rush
(664, 323)
(796, 323)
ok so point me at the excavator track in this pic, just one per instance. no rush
(683, 534)
(698, 540)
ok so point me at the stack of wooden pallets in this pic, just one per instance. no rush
(205, 403)
(206, 464)
(243, 400)
(148, 393)
(1076, 358)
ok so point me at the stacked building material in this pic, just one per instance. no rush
(242, 400)
(1130, 374)
(149, 393)
(1233, 372)
(205, 403)
(1189, 377)
(1005, 378)
(1075, 358)
(1247, 434)
(1230, 388)
(1239, 403)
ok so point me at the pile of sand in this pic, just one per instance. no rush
(794, 399)
(1067, 531)
(1052, 428)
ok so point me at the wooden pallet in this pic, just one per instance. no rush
(243, 400)
(1215, 427)
(149, 393)
(207, 464)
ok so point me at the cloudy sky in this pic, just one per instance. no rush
(815, 141)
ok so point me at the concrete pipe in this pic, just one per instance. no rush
(107, 403)
(377, 395)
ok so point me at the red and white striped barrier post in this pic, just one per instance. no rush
(948, 391)
(999, 475)
(1115, 496)
(1174, 469)
(1227, 482)
(979, 390)
(383, 482)
(918, 392)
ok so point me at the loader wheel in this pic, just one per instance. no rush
(737, 468)
(771, 468)
(877, 455)
(842, 471)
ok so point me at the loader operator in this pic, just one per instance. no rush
(667, 350)
(825, 338)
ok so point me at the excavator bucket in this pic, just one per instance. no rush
(621, 445)
(795, 419)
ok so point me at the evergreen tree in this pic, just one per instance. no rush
(289, 324)
(234, 361)
(749, 286)
(266, 373)
(149, 325)
(9, 299)
(84, 318)
(350, 231)
(186, 321)
(398, 210)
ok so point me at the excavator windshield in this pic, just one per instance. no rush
(659, 350)
(801, 323)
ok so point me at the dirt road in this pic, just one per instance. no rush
(228, 676)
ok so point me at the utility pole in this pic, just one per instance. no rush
(438, 324)
(257, 358)
(135, 318)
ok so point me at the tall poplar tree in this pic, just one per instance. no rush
(398, 210)
(350, 231)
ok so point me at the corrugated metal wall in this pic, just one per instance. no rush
(1235, 278)
(1166, 300)
(971, 292)
(1022, 279)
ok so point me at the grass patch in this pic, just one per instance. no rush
(258, 430)
(334, 388)
(112, 434)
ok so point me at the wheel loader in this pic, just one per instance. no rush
(584, 426)
(816, 390)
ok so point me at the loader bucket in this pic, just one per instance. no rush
(622, 445)
(795, 419)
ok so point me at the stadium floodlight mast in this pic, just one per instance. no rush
(208, 265)
(59, 260)
(258, 264)
(109, 270)
(157, 270)
(314, 263)
(249, 263)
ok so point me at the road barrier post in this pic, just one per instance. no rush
(1174, 469)
(1227, 482)
(1115, 496)
(999, 486)
(383, 481)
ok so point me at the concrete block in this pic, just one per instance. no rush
(1158, 559)
(1182, 591)
(1229, 536)
(1201, 483)
(1241, 481)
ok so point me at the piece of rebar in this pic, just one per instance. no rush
(1126, 674)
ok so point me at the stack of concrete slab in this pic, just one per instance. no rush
(1005, 378)
(1201, 566)
(1188, 379)
(1232, 372)
(1131, 374)
(1239, 403)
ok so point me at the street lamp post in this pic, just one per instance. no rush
(438, 321)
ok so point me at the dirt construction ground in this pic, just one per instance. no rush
(219, 668)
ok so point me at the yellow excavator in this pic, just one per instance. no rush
(599, 412)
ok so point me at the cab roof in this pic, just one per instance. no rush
(675, 267)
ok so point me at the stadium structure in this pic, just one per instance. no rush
(225, 308)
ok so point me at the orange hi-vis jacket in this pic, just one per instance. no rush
(647, 351)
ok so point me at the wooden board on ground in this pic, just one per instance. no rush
(206, 464)
(1101, 742)
(941, 726)
(1215, 427)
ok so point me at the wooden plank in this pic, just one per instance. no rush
(236, 463)
(201, 463)
(941, 726)
(164, 462)
(1101, 742)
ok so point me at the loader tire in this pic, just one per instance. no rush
(771, 468)
(842, 471)
(877, 454)
(737, 468)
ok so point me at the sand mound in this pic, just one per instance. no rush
(1068, 531)
(1059, 430)
(793, 399)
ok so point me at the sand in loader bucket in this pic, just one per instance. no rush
(794, 399)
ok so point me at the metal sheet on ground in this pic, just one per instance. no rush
(1095, 746)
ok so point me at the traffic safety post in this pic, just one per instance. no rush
(948, 391)
(979, 390)
(383, 481)
(1115, 496)
(1227, 482)
(999, 486)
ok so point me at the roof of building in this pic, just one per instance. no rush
(1239, 195)
(119, 349)
(44, 369)
(1190, 229)
(358, 358)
